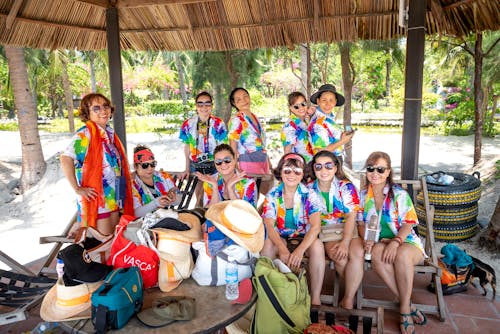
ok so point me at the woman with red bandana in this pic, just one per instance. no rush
(152, 189)
(95, 164)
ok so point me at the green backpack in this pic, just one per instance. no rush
(283, 302)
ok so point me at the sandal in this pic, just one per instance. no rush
(416, 315)
(405, 324)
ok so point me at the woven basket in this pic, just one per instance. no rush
(451, 233)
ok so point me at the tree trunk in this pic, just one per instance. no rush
(388, 67)
(345, 61)
(33, 163)
(478, 96)
(494, 108)
(228, 56)
(180, 73)
(92, 71)
(68, 95)
(305, 68)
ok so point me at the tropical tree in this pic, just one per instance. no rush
(33, 162)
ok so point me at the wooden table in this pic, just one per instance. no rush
(213, 312)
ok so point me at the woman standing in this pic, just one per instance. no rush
(228, 183)
(394, 257)
(294, 135)
(200, 135)
(291, 210)
(95, 164)
(323, 132)
(151, 189)
(247, 138)
(340, 205)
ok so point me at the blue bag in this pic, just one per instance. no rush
(117, 300)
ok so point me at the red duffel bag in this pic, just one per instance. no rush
(126, 253)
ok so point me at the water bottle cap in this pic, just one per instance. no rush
(230, 259)
(59, 261)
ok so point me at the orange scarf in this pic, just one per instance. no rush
(92, 175)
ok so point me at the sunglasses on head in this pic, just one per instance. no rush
(296, 170)
(226, 160)
(380, 170)
(98, 108)
(327, 165)
(299, 105)
(146, 165)
(204, 103)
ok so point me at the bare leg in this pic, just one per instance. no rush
(353, 272)
(407, 257)
(316, 254)
(107, 225)
(339, 265)
(384, 270)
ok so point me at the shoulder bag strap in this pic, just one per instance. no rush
(274, 301)
(100, 319)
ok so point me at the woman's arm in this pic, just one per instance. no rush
(274, 236)
(311, 235)
(187, 154)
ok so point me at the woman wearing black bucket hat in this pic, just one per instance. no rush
(324, 134)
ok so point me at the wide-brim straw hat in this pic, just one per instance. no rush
(240, 221)
(193, 234)
(328, 88)
(64, 303)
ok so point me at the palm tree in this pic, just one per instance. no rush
(33, 163)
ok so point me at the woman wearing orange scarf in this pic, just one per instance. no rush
(95, 164)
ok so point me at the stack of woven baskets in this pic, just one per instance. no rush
(455, 216)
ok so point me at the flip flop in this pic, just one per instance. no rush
(417, 314)
(406, 324)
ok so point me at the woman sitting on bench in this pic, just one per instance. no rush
(291, 211)
(338, 219)
(399, 249)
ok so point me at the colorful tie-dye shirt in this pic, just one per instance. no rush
(111, 165)
(162, 182)
(396, 211)
(343, 198)
(248, 137)
(295, 133)
(305, 203)
(323, 131)
(245, 189)
(217, 135)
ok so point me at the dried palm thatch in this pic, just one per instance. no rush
(227, 24)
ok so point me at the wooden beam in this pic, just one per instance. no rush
(99, 3)
(146, 3)
(13, 13)
(57, 24)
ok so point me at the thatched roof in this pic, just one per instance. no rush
(227, 24)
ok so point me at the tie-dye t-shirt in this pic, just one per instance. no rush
(162, 182)
(245, 189)
(250, 138)
(323, 131)
(305, 203)
(217, 135)
(343, 198)
(295, 133)
(111, 162)
(396, 211)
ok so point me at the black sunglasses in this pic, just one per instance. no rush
(327, 165)
(146, 165)
(298, 105)
(380, 170)
(98, 108)
(226, 160)
(296, 170)
(204, 103)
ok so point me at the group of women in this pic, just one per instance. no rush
(312, 198)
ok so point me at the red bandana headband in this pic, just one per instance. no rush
(143, 155)
(294, 157)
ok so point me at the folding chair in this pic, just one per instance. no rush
(20, 290)
(430, 265)
(186, 188)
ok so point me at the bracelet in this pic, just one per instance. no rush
(398, 239)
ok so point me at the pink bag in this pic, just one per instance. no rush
(125, 253)
(254, 163)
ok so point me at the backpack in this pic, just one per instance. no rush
(283, 301)
(117, 300)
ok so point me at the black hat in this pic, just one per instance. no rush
(171, 224)
(328, 88)
(79, 268)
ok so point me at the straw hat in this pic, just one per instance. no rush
(191, 235)
(239, 221)
(63, 303)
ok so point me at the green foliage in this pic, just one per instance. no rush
(170, 107)
(10, 125)
(136, 110)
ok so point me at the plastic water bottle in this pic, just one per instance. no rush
(59, 268)
(231, 279)
(46, 328)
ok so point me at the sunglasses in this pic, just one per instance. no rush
(97, 109)
(296, 170)
(204, 103)
(146, 165)
(299, 105)
(327, 165)
(226, 160)
(380, 170)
